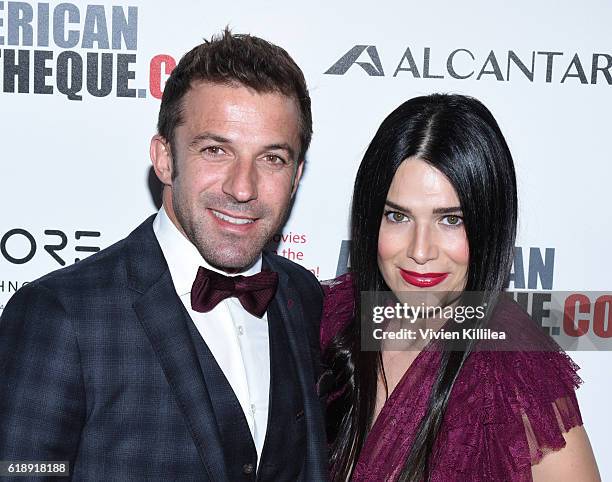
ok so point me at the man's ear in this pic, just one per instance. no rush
(161, 157)
(297, 175)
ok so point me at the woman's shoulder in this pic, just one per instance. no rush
(528, 362)
(524, 400)
(512, 383)
(338, 306)
(507, 410)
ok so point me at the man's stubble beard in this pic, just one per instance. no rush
(224, 253)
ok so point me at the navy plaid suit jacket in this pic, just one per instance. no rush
(97, 368)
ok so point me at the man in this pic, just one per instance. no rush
(160, 358)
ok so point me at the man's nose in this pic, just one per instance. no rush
(423, 247)
(241, 180)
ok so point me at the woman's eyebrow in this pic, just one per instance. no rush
(448, 210)
(444, 210)
(393, 205)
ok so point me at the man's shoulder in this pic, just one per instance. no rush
(296, 273)
(99, 272)
(64, 296)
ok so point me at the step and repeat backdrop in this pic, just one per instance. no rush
(80, 85)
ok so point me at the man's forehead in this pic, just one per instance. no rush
(238, 97)
(207, 107)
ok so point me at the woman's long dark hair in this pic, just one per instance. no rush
(459, 137)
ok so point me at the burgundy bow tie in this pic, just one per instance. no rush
(254, 292)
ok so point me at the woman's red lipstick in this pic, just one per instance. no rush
(422, 280)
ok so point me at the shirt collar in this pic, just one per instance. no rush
(182, 257)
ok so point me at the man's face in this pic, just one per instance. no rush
(236, 160)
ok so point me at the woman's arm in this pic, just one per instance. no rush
(574, 462)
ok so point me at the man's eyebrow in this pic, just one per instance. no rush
(208, 136)
(283, 147)
(211, 136)
(445, 210)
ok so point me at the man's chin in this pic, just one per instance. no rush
(231, 262)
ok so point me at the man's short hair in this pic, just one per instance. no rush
(236, 59)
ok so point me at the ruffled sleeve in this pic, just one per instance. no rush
(533, 405)
(545, 401)
(539, 385)
(338, 307)
(509, 409)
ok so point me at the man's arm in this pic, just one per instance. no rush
(42, 406)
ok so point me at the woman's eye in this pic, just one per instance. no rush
(452, 220)
(396, 217)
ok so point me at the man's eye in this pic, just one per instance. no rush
(452, 220)
(395, 216)
(274, 159)
(213, 150)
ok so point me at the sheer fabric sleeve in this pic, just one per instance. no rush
(508, 410)
(547, 403)
(540, 384)
(506, 415)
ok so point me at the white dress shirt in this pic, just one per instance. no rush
(238, 340)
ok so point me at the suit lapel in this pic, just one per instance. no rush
(165, 323)
(287, 303)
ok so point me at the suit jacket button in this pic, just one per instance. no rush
(248, 468)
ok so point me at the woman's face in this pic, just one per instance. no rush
(422, 243)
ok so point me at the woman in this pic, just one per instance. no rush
(434, 208)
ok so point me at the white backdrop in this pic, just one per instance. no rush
(82, 166)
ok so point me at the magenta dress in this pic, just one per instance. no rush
(506, 410)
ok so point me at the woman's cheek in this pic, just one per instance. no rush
(387, 244)
(458, 249)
